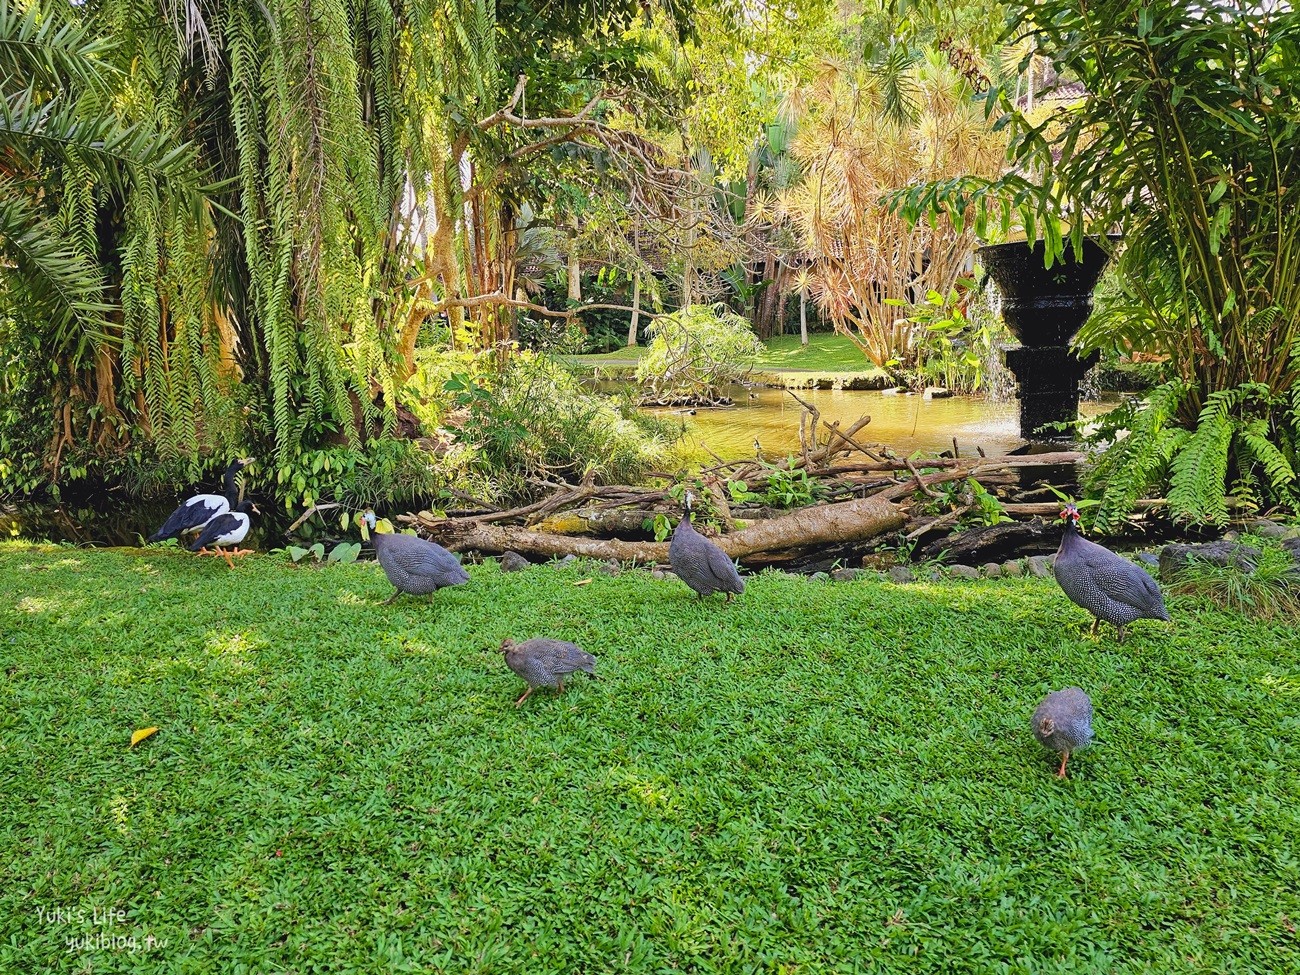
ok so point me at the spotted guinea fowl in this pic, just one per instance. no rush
(544, 663)
(229, 528)
(413, 565)
(699, 563)
(1110, 587)
(1063, 723)
(197, 511)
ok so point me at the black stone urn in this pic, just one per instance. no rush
(1044, 308)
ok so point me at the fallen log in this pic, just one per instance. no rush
(762, 543)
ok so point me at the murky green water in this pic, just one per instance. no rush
(766, 421)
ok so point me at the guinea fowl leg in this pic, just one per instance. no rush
(730, 596)
(560, 688)
(524, 697)
(1065, 757)
(1096, 627)
(1120, 628)
(392, 598)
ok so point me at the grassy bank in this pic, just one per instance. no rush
(833, 357)
(820, 777)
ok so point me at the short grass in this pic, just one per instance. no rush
(825, 353)
(821, 777)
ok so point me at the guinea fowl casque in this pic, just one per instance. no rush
(229, 528)
(1110, 587)
(700, 563)
(544, 663)
(1063, 723)
(413, 565)
(197, 511)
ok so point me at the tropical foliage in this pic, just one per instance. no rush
(695, 352)
(863, 133)
(1187, 143)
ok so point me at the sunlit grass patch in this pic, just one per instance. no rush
(822, 776)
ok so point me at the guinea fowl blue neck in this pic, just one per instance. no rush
(1070, 514)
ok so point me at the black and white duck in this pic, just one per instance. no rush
(225, 530)
(197, 511)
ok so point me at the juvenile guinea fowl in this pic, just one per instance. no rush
(1110, 587)
(197, 511)
(699, 563)
(544, 663)
(415, 566)
(1063, 722)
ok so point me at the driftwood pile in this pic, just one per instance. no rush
(867, 492)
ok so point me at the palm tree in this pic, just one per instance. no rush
(60, 136)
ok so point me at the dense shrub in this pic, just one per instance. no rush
(696, 351)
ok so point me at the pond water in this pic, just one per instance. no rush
(766, 420)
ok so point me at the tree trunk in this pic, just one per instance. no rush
(575, 283)
(803, 317)
(762, 543)
(636, 310)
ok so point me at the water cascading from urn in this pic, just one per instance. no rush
(1044, 308)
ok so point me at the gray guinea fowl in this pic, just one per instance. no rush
(544, 663)
(1109, 586)
(416, 566)
(1063, 722)
(701, 564)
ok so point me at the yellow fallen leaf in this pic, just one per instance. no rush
(141, 735)
(583, 582)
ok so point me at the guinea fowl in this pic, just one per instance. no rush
(413, 565)
(229, 528)
(1110, 587)
(197, 511)
(1063, 722)
(544, 663)
(699, 563)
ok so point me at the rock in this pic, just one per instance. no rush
(1013, 569)
(568, 558)
(934, 575)
(895, 391)
(937, 392)
(656, 573)
(1292, 545)
(1174, 558)
(1150, 558)
(845, 575)
(1291, 534)
(611, 568)
(670, 576)
(900, 573)
(992, 570)
(1265, 528)
(1040, 566)
(820, 577)
(963, 572)
(1051, 561)
(513, 562)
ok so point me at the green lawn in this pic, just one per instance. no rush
(826, 353)
(820, 777)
